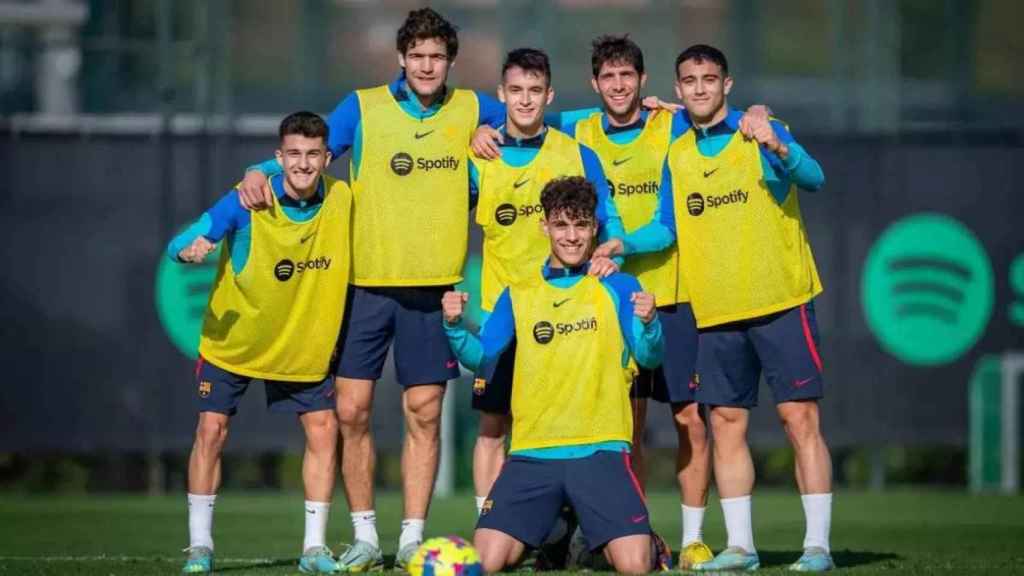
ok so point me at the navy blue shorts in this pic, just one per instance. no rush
(219, 390)
(783, 346)
(530, 492)
(409, 317)
(672, 382)
(492, 389)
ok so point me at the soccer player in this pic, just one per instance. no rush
(273, 315)
(632, 143)
(409, 179)
(575, 337)
(509, 212)
(731, 206)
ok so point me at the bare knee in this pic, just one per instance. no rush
(423, 409)
(321, 430)
(632, 557)
(493, 428)
(729, 421)
(800, 419)
(212, 431)
(496, 549)
(691, 426)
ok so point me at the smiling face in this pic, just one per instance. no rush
(426, 66)
(526, 94)
(303, 159)
(619, 85)
(572, 238)
(702, 87)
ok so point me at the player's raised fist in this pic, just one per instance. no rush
(453, 304)
(644, 307)
(254, 192)
(197, 251)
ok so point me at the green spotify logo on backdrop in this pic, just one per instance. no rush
(927, 289)
(182, 292)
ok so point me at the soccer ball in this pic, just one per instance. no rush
(445, 556)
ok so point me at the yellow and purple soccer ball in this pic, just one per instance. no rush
(445, 556)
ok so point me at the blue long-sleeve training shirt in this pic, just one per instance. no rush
(481, 352)
(345, 129)
(227, 218)
(518, 152)
(798, 168)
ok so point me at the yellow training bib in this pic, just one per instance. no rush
(411, 203)
(278, 319)
(634, 174)
(569, 351)
(509, 213)
(742, 254)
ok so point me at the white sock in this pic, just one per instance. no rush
(412, 531)
(316, 524)
(738, 523)
(200, 520)
(818, 512)
(480, 504)
(365, 525)
(693, 525)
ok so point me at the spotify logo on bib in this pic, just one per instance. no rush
(401, 163)
(927, 289)
(284, 270)
(505, 214)
(695, 204)
(543, 332)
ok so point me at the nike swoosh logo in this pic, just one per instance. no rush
(310, 511)
(709, 173)
(520, 183)
(451, 364)
(801, 383)
(638, 519)
(560, 302)
(424, 135)
(303, 240)
(622, 161)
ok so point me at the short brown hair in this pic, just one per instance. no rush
(424, 24)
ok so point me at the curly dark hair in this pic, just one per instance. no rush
(617, 50)
(304, 123)
(424, 24)
(571, 196)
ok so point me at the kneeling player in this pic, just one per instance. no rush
(575, 336)
(265, 320)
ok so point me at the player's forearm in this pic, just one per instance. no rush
(648, 343)
(268, 167)
(465, 345)
(652, 237)
(200, 227)
(802, 169)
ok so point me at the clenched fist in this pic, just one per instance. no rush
(453, 304)
(644, 307)
(197, 251)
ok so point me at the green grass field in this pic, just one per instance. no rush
(897, 532)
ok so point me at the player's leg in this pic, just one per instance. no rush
(423, 363)
(218, 394)
(314, 405)
(610, 505)
(643, 384)
(492, 398)
(788, 347)
(675, 385)
(362, 348)
(727, 377)
(523, 503)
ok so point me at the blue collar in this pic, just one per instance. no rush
(532, 142)
(729, 125)
(638, 125)
(552, 273)
(277, 185)
(402, 93)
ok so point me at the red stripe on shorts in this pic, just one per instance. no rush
(636, 483)
(199, 366)
(809, 337)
